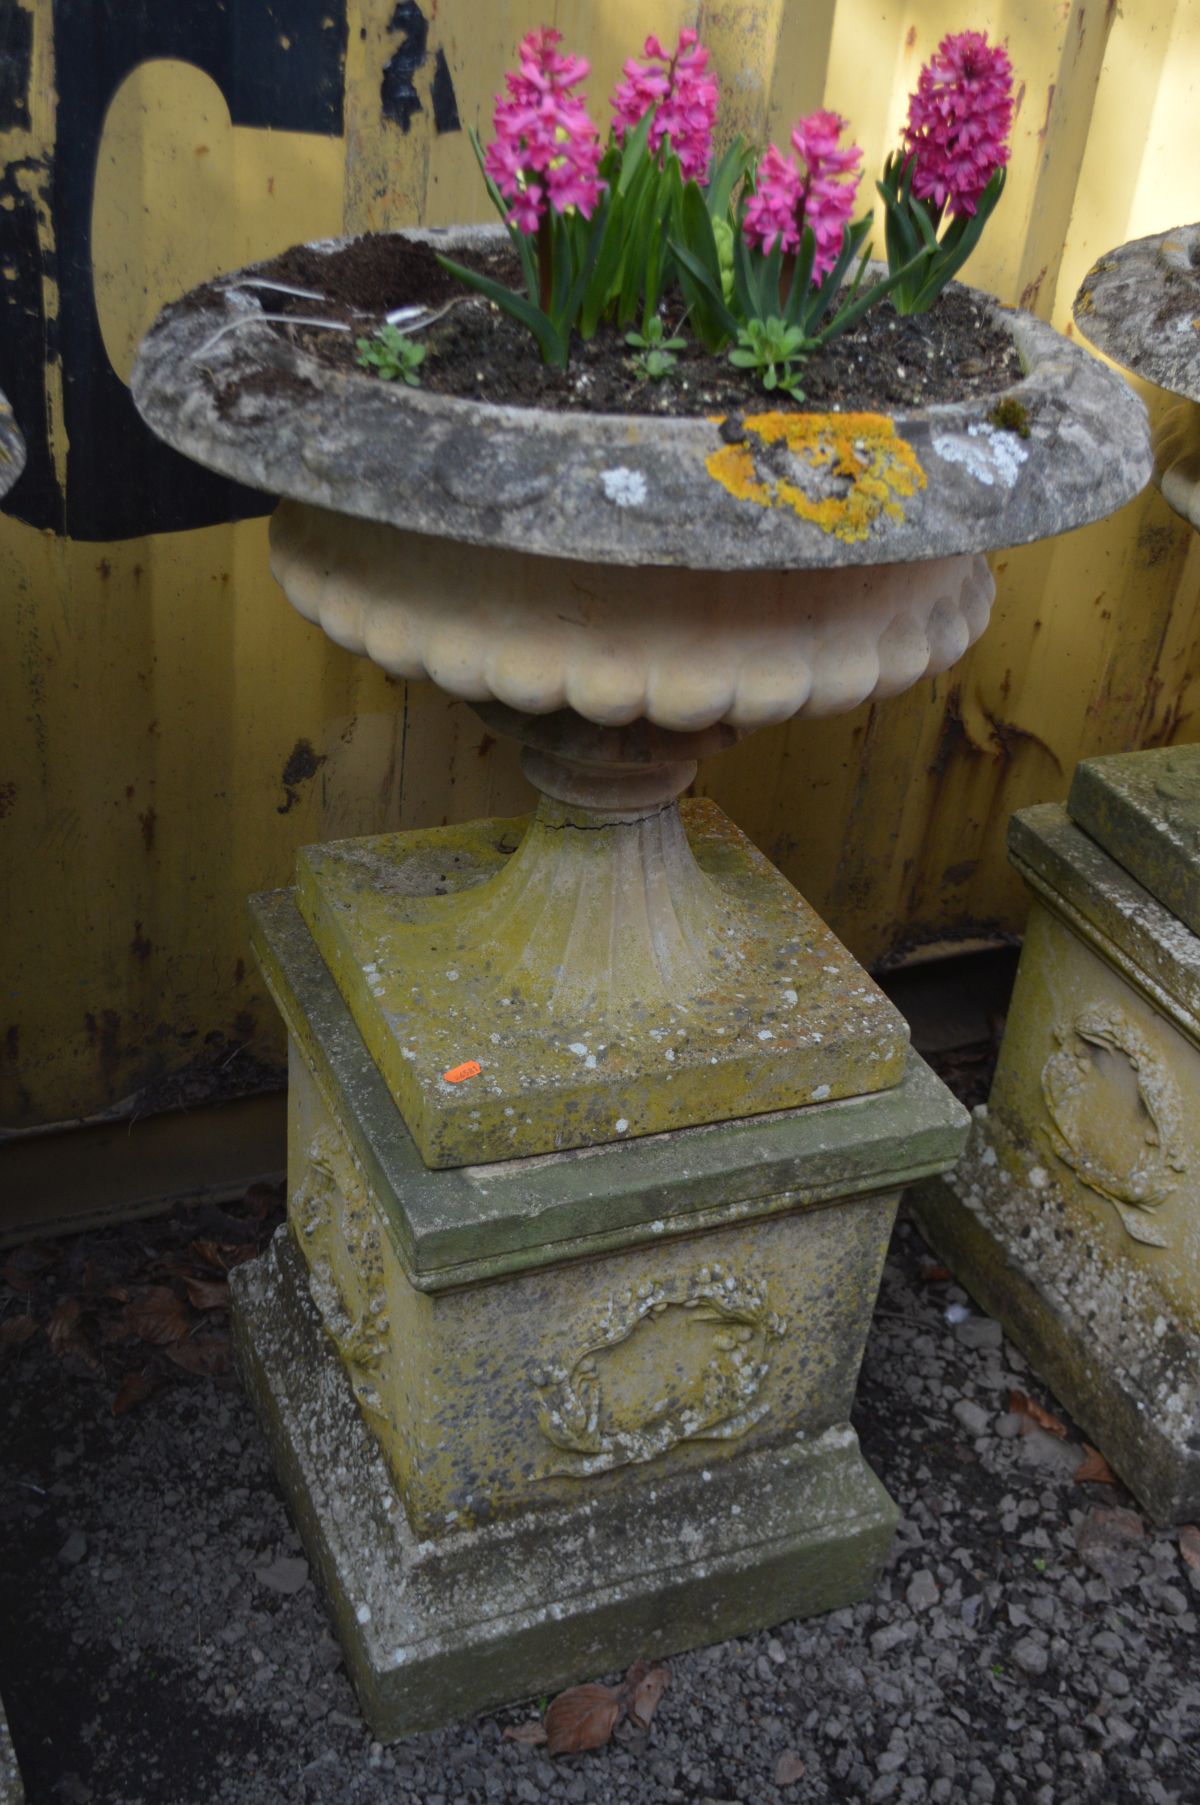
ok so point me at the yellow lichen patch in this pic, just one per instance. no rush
(872, 467)
(733, 467)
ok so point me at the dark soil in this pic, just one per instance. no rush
(952, 353)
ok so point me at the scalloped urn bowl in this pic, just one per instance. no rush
(625, 594)
(1140, 305)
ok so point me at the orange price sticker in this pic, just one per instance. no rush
(470, 1068)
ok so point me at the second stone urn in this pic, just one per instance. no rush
(597, 1130)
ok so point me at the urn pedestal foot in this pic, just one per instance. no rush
(540, 1416)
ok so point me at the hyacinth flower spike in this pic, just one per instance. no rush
(793, 253)
(951, 167)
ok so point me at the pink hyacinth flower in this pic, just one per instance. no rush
(546, 151)
(820, 193)
(683, 95)
(959, 120)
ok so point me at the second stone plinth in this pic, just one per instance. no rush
(1073, 1218)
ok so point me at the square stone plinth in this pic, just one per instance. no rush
(436, 976)
(1143, 808)
(602, 1395)
(1075, 1218)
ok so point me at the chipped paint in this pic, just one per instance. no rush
(848, 469)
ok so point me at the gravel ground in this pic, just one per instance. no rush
(162, 1642)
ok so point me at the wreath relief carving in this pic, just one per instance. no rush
(1129, 1155)
(666, 1362)
(333, 1199)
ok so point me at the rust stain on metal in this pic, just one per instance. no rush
(1011, 739)
(105, 1036)
(1031, 290)
(954, 738)
(302, 764)
(1045, 125)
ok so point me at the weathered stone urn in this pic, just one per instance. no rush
(12, 448)
(1073, 1216)
(597, 1131)
(1140, 305)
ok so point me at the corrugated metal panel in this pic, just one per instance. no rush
(172, 732)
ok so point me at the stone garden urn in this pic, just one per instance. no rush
(1140, 305)
(1072, 1216)
(597, 1131)
(12, 448)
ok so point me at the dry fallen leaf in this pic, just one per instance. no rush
(208, 1356)
(582, 1718)
(534, 1732)
(159, 1317)
(62, 1325)
(644, 1686)
(135, 1388)
(1094, 1469)
(208, 1294)
(1020, 1405)
(1189, 1545)
(64, 1332)
(789, 1768)
(16, 1330)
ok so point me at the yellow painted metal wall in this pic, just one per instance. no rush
(170, 731)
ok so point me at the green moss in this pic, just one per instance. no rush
(1010, 415)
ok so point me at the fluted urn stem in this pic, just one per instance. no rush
(603, 905)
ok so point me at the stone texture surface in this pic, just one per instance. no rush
(452, 1227)
(1140, 305)
(684, 650)
(1143, 808)
(1073, 1218)
(12, 448)
(12, 1791)
(621, 490)
(433, 1630)
(606, 990)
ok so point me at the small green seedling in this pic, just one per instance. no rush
(775, 350)
(392, 354)
(656, 358)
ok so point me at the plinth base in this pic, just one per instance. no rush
(436, 1630)
(1127, 1398)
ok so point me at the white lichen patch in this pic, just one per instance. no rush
(625, 488)
(988, 454)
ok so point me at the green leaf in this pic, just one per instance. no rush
(725, 177)
(550, 341)
(702, 290)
